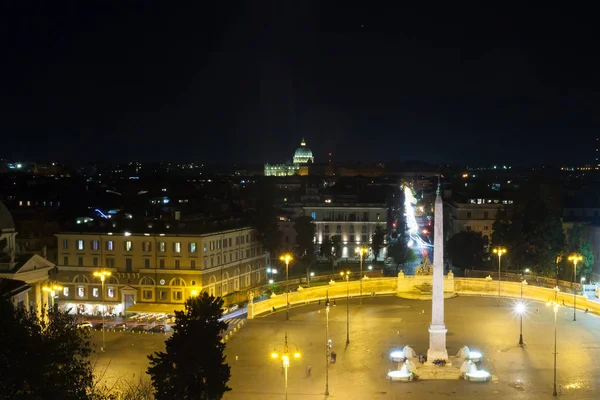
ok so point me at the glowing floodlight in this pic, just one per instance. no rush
(475, 356)
(400, 375)
(520, 308)
(478, 376)
(397, 356)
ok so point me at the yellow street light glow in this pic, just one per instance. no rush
(102, 274)
(297, 355)
(194, 292)
(499, 250)
(274, 355)
(286, 258)
(361, 250)
(575, 258)
(520, 308)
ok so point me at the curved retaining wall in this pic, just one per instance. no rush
(407, 286)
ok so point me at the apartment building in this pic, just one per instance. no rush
(474, 214)
(155, 272)
(353, 222)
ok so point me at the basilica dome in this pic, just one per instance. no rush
(303, 155)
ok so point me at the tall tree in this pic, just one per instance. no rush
(43, 360)
(467, 249)
(401, 254)
(193, 366)
(576, 244)
(264, 217)
(331, 249)
(305, 237)
(378, 241)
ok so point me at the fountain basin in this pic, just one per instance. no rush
(478, 376)
(399, 375)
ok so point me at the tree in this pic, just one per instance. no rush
(193, 366)
(331, 249)
(305, 236)
(575, 244)
(466, 249)
(264, 218)
(43, 360)
(401, 254)
(377, 241)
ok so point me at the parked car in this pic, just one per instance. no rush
(84, 325)
(139, 329)
(233, 308)
(98, 326)
(119, 327)
(158, 329)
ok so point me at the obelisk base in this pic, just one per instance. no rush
(437, 343)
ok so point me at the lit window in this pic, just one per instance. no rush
(162, 247)
(128, 245)
(110, 245)
(95, 245)
(65, 244)
(95, 292)
(177, 247)
(177, 295)
(66, 291)
(111, 292)
(147, 246)
(80, 245)
(192, 247)
(81, 291)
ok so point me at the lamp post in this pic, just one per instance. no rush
(346, 276)
(102, 274)
(575, 258)
(327, 345)
(287, 258)
(285, 359)
(581, 285)
(499, 251)
(554, 305)
(52, 288)
(521, 311)
(361, 251)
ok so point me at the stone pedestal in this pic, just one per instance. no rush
(437, 343)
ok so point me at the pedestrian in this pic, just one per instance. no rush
(308, 370)
(334, 303)
(273, 309)
(319, 301)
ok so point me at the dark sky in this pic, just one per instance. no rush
(245, 81)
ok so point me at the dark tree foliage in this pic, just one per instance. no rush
(264, 217)
(467, 249)
(331, 249)
(193, 366)
(576, 244)
(401, 254)
(378, 241)
(43, 360)
(305, 235)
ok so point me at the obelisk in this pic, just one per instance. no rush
(437, 329)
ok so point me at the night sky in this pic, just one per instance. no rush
(244, 82)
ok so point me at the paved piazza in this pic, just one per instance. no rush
(385, 323)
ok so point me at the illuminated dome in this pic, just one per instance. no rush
(303, 155)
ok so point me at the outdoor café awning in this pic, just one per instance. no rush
(154, 308)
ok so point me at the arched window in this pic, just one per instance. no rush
(147, 281)
(81, 279)
(112, 280)
(224, 290)
(236, 281)
(177, 282)
(248, 276)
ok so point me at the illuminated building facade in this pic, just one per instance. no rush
(299, 166)
(153, 272)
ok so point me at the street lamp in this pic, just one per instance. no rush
(554, 305)
(582, 288)
(361, 251)
(52, 288)
(521, 311)
(308, 276)
(285, 358)
(575, 258)
(327, 344)
(287, 258)
(499, 251)
(102, 274)
(346, 276)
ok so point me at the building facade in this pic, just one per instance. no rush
(477, 215)
(354, 223)
(150, 270)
